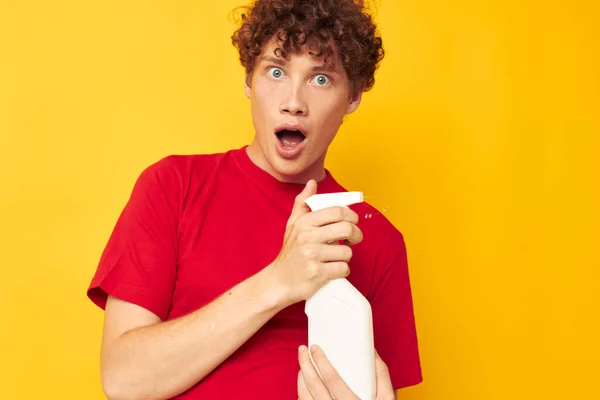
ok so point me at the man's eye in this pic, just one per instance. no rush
(276, 73)
(322, 80)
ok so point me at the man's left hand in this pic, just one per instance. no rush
(311, 387)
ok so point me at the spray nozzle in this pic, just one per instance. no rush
(324, 200)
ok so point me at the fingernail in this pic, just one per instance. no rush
(301, 349)
(313, 348)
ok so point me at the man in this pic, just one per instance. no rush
(204, 276)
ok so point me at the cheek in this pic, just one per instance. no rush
(331, 112)
(264, 90)
(263, 100)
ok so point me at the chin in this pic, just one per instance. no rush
(289, 170)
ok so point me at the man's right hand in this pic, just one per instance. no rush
(311, 255)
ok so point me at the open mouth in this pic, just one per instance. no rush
(290, 138)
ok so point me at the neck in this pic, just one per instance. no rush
(315, 171)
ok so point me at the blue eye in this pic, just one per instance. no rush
(276, 72)
(322, 80)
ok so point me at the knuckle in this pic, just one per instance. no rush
(346, 269)
(359, 234)
(347, 252)
(348, 229)
(331, 377)
(309, 252)
(337, 213)
(312, 271)
(341, 269)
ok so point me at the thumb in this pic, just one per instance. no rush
(383, 383)
(300, 207)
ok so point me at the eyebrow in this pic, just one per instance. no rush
(283, 63)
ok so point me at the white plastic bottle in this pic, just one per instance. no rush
(340, 319)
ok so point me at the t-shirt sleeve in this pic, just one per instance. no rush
(394, 326)
(138, 264)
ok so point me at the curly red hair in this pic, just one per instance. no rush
(324, 26)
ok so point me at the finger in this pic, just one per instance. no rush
(331, 253)
(380, 366)
(332, 379)
(336, 269)
(331, 215)
(300, 207)
(384, 387)
(303, 393)
(314, 384)
(339, 231)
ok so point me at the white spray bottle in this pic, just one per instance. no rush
(340, 319)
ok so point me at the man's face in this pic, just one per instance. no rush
(297, 109)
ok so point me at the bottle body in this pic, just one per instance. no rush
(340, 322)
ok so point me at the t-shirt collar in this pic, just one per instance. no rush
(262, 177)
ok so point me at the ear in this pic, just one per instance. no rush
(247, 88)
(354, 101)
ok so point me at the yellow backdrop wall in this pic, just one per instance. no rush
(480, 140)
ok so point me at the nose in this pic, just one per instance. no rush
(293, 102)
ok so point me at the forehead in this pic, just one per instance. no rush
(273, 48)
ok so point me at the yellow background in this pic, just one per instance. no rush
(480, 140)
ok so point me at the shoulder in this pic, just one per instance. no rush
(182, 163)
(181, 168)
(173, 176)
(377, 227)
(380, 233)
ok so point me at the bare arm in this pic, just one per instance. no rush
(144, 359)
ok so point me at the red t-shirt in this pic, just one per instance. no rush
(197, 225)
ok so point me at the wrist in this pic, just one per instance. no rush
(273, 293)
